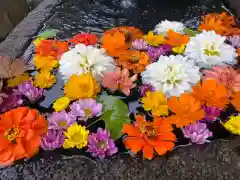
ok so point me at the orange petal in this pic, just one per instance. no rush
(167, 136)
(148, 152)
(131, 130)
(7, 157)
(135, 144)
(18, 113)
(139, 119)
(40, 125)
(18, 150)
(160, 148)
(31, 146)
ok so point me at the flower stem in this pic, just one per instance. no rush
(93, 123)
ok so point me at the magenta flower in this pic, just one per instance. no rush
(52, 140)
(156, 52)
(211, 113)
(100, 145)
(60, 120)
(119, 80)
(32, 93)
(144, 88)
(139, 44)
(235, 41)
(85, 109)
(197, 133)
(10, 100)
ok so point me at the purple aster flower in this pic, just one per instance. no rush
(86, 108)
(139, 44)
(60, 120)
(211, 113)
(156, 52)
(32, 93)
(144, 88)
(235, 41)
(100, 144)
(13, 99)
(198, 133)
(52, 140)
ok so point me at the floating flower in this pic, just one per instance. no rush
(76, 136)
(133, 60)
(164, 26)
(187, 110)
(52, 140)
(21, 130)
(85, 38)
(139, 44)
(85, 109)
(10, 100)
(208, 49)
(61, 103)
(85, 59)
(211, 93)
(60, 120)
(235, 101)
(171, 74)
(46, 63)
(156, 102)
(44, 79)
(100, 145)
(197, 133)
(233, 125)
(83, 86)
(238, 51)
(235, 41)
(119, 80)
(32, 93)
(144, 88)
(149, 136)
(156, 52)
(176, 39)
(224, 75)
(154, 40)
(211, 113)
(37, 41)
(14, 82)
(179, 49)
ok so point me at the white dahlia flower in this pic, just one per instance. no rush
(164, 26)
(171, 74)
(84, 59)
(208, 49)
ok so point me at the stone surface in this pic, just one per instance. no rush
(234, 6)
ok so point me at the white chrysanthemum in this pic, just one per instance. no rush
(208, 49)
(172, 74)
(164, 26)
(84, 59)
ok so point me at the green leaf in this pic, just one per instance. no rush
(115, 114)
(190, 32)
(49, 33)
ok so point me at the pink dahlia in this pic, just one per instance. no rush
(119, 80)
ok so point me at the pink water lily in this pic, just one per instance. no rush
(119, 80)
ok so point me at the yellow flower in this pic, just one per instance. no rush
(179, 49)
(14, 82)
(83, 86)
(157, 102)
(76, 136)
(44, 79)
(233, 125)
(46, 63)
(37, 41)
(61, 103)
(154, 40)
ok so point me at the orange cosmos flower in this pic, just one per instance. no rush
(211, 93)
(149, 136)
(187, 110)
(85, 38)
(133, 60)
(119, 39)
(176, 39)
(235, 101)
(51, 48)
(20, 133)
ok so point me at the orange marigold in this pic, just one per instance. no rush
(133, 60)
(187, 110)
(211, 93)
(176, 39)
(235, 101)
(118, 39)
(149, 136)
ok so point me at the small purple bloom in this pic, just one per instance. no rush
(86, 108)
(32, 93)
(13, 99)
(139, 44)
(235, 41)
(144, 88)
(52, 140)
(60, 120)
(198, 133)
(211, 113)
(100, 144)
(156, 52)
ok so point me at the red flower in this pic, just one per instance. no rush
(86, 38)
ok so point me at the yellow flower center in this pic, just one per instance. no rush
(88, 112)
(63, 123)
(101, 144)
(148, 129)
(211, 50)
(12, 133)
(134, 59)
